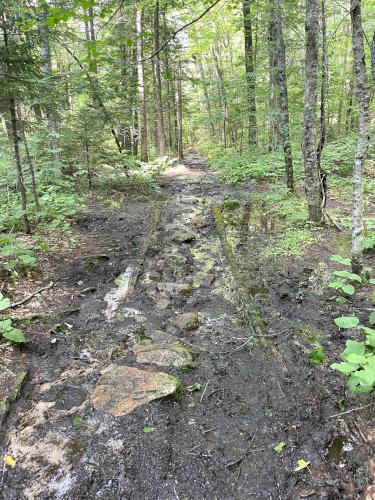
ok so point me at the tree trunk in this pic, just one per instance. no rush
(373, 58)
(283, 96)
(206, 96)
(363, 134)
(46, 69)
(310, 162)
(222, 93)
(159, 102)
(141, 87)
(180, 149)
(17, 160)
(323, 88)
(273, 114)
(28, 159)
(250, 72)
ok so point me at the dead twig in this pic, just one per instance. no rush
(360, 432)
(351, 411)
(238, 461)
(31, 295)
(205, 389)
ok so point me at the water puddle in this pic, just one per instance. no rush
(337, 449)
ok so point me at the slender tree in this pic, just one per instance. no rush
(250, 71)
(310, 161)
(283, 95)
(363, 134)
(142, 105)
(157, 78)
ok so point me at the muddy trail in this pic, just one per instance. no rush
(169, 365)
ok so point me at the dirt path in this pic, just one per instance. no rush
(180, 292)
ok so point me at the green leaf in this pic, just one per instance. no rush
(148, 429)
(5, 325)
(353, 347)
(341, 260)
(356, 358)
(336, 284)
(77, 422)
(342, 274)
(14, 335)
(27, 260)
(280, 447)
(317, 356)
(349, 289)
(347, 321)
(345, 368)
(194, 387)
(372, 281)
(4, 302)
(355, 277)
(301, 464)
(371, 318)
(341, 300)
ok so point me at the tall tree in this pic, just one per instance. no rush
(283, 94)
(363, 134)
(46, 68)
(142, 105)
(250, 71)
(159, 102)
(310, 161)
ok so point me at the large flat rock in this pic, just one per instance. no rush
(166, 355)
(122, 389)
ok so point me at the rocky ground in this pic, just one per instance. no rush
(168, 360)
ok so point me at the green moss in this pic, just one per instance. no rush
(230, 204)
(180, 391)
(292, 243)
(309, 334)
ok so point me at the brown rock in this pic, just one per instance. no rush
(187, 321)
(166, 355)
(122, 389)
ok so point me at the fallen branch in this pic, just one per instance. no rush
(351, 411)
(29, 297)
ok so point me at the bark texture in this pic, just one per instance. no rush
(283, 95)
(310, 161)
(159, 102)
(363, 134)
(141, 88)
(250, 72)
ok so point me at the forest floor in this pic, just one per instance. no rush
(172, 283)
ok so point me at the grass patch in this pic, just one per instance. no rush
(292, 243)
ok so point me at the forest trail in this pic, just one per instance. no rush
(194, 302)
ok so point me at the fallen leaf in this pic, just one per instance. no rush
(9, 461)
(302, 464)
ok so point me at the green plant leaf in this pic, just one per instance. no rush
(280, 447)
(336, 284)
(353, 347)
(341, 260)
(148, 429)
(372, 281)
(349, 289)
(341, 300)
(371, 318)
(77, 422)
(345, 368)
(355, 277)
(194, 387)
(301, 464)
(14, 335)
(342, 274)
(347, 321)
(4, 302)
(5, 325)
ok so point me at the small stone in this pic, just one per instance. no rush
(158, 336)
(122, 389)
(175, 287)
(199, 222)
(187, 321)
(166, 355)
(162, 304)
(184, 236)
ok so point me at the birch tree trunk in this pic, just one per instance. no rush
(180, 148)
(159, 102)
(363, 134)
(310, 161)
(323, 87)
(46, 69)
(283, 96)
(250, 72)
(273, 116)
(141, 88)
